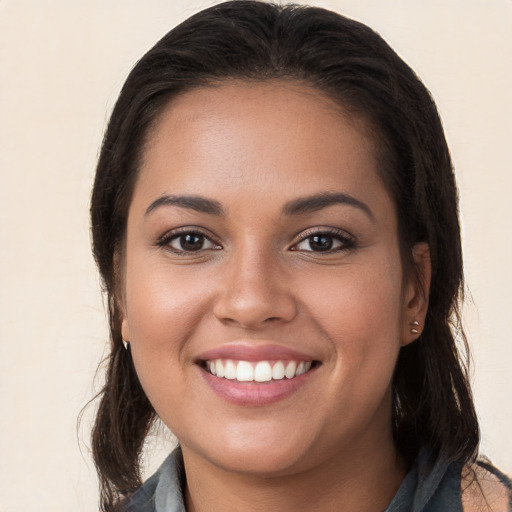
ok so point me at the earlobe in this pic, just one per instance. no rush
(416, 294)
(120, 300)
(125, 330)
(125, 334)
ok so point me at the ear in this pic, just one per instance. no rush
(416, 294)
(120, 296)
(125, 329)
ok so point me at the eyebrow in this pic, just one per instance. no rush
(196, 203)
(323, 200)
(298, 206)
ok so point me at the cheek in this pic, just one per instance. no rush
(359, 309)
(164, 310)
(163, 300)
(366, 295)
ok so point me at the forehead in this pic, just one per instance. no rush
(257, 137)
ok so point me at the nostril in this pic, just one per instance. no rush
(252, 307)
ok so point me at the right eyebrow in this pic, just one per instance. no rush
(197, 203)
(323, 200)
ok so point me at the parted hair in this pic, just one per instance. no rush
(353, 65)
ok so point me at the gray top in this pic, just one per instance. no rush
(429, 486)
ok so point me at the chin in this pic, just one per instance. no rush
(263, 453)
(259, 461)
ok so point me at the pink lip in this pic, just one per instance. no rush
(255, 393)
(249, 351)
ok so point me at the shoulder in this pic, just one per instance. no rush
(485, 489)
(162, 492)
(142, 500)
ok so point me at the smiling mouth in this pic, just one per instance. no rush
(257, 371)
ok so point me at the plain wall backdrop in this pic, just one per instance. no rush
(62, 64)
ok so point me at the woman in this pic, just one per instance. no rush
(275, 221)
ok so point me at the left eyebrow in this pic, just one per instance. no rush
(323, 200)
(196, 203)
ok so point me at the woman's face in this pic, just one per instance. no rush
(263, 292)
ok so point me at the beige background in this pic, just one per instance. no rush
(62, 63)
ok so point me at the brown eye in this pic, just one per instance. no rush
(320, 242)
(191, 242)
(325, 242)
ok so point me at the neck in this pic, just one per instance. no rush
(362, 478)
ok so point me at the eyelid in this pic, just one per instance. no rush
(170, 235)
(348, 240)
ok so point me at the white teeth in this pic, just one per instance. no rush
(219, 368)
(278, 371)
(290, 370)
(244, 372)
(262, 371)
(230, 370)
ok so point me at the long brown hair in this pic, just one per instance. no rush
(432, 402)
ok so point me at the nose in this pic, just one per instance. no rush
(255, 293)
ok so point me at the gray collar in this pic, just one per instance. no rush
(429, 486)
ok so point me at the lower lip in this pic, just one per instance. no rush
(255, 393)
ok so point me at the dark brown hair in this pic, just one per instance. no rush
(251, 40)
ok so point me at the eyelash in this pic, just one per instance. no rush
(346, 241)
(168, 238)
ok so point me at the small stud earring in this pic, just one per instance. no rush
(416, 324)
(125, 343)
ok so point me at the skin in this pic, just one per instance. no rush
(253, 148)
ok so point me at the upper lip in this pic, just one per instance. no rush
(249, 351)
